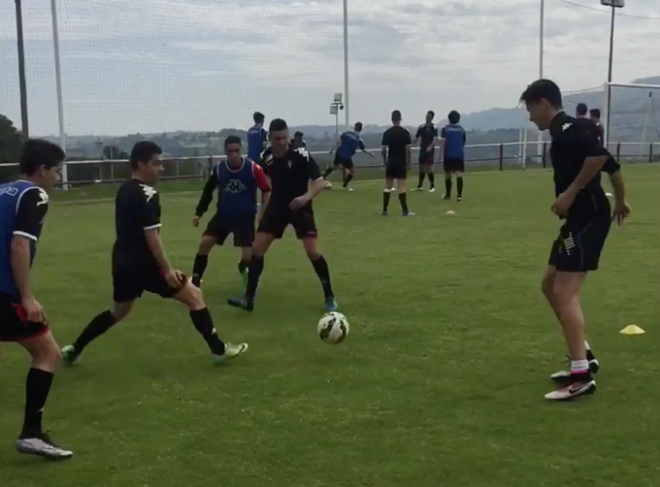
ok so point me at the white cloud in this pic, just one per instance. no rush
(203, 64)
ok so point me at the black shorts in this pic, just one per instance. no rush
(345, 163)
(14, 326)
(276, 219)
(426, 157)
(578, 247)
(453, 164)
(396, 170)
(130, 281)
(220, 227)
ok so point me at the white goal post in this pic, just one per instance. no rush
(608, 102)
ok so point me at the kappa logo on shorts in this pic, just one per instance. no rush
(569, 243)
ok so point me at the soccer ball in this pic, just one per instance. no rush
(333, 327)
(327, 185)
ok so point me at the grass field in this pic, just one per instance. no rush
(440, 382)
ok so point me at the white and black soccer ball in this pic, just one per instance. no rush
(327, 185)
(333, 328)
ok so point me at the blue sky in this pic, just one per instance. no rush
(162, 65)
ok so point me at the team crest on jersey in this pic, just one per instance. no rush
(235, 186)
(148, 191)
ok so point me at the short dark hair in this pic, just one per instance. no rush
(543, 89)
(298, 135)
(39, 152)
(396, 116)
(595, 112)
(582, 109)
(232, 139)
(358, 127)
(277, 124)
(258, 117)
(454, 117)
(431, 112)
(143, 152)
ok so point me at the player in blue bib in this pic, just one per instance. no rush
(257, 138)
(237, 179)
(452, 143)
(347, 145)
(23, 208)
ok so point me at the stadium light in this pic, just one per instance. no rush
(58, 88)
(335, 107)
(346, 90)
(539, 146)
(22, 80)
(614, 4)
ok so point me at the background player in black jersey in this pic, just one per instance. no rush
(427, 135)
(577, 160)
(298, 140)
(23, 207)
(290, 171)
(396, 150)
(139, 262)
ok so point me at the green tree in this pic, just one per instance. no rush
(10, 141)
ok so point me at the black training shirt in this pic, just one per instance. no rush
(572, 142)
(426, 133)
(396, 139)
(137, 209)
(290, 174)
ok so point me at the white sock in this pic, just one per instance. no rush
(579, 366)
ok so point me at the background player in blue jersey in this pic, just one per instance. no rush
(452, 143)
(347, 145)
(257, 137)
(237, 180)
(427, 135)
(23, 207)
(139, 262)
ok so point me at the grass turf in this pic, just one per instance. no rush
(440, 382)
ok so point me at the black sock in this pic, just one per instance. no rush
(386, 200)
(243, 265)
(349, 178)
(422, 174)
(459, 187)
(37, 387)
(203, 322)
(323, 271)
(431, 179)
(404, 202)
(201, 261)
(97, 327)
(328, 172)
(254, 273)
(448, 186)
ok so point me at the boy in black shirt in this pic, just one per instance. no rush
(396, 150)
(577, 161)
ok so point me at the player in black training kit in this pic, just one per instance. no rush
(139, 262)
(23, 207)
(396, 150)
(427, 134)
(290, 203)
(577, 161)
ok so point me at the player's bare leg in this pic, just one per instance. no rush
(310, 244)
(46, 356)
(566, 290)
(447, 194)
(99, 325)
(206, 244)
(192, 297)
(548, 289)
(459, 185)
(262, 243)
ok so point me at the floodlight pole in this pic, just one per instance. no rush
(539, 149)
(614, 4)
(22, 80)
(346, 103)
(58, 87)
